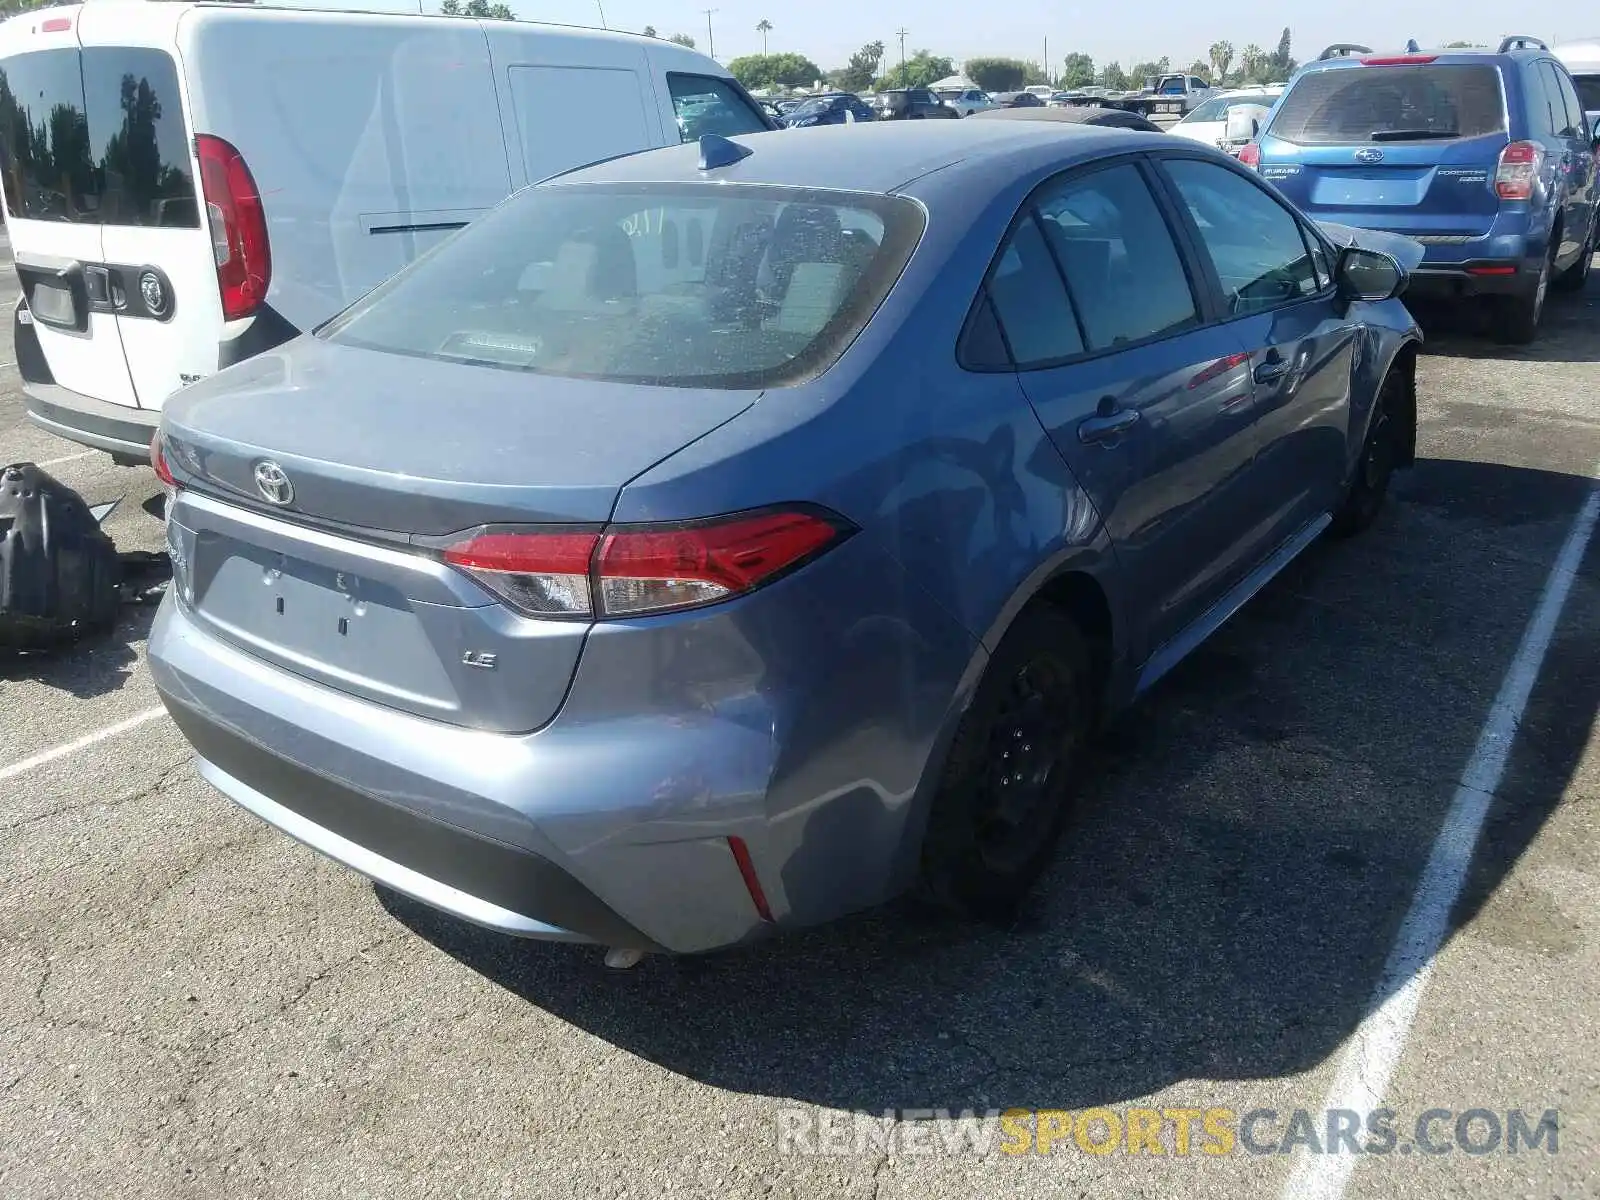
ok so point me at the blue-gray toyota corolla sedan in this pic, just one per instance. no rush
(732, 536)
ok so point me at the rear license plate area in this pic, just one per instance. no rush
(55, 304)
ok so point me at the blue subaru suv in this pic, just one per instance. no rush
(1485, 158)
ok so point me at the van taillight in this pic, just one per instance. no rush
(1518, 170)
(632, 571)
(238, 227)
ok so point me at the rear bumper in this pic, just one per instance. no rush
(1477, 277)
(800, 725)
(124, 432)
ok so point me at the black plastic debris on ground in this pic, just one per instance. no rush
(61, 577)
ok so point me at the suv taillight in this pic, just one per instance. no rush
(1250, 155)
(638, 570)
(238, 227)
(1518, 170)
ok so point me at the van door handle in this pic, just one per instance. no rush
(1270, 369)
(1108, 423)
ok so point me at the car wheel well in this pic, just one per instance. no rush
(1080, 596)
(1405, 362)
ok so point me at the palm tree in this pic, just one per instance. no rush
(764, 28)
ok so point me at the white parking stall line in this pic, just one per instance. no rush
(88, 739)
(66, 458)
(1374, 1051)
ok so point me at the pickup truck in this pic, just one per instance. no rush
(1166, 95)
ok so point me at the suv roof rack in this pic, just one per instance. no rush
(1521, 41)
(1343, 50)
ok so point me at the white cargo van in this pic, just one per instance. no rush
(1582, 60)
(187, 185)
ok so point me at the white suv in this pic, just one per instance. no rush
(967, 102)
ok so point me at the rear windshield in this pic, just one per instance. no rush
(95, 137)
(689, 285)
(1424, 102)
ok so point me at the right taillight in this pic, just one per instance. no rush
(638, 570)
(1250, 155)
(238, 227)
(1518, 170)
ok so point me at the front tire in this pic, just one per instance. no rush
(1012, 770)
(1380, 453)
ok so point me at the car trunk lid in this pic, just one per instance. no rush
(327, 563)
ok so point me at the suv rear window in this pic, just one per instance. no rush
(95, 137)
(682, 285)
(1421, 102)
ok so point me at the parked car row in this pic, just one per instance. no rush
(727, 531)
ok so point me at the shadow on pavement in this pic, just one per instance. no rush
(1462, 330)
(1224, 902)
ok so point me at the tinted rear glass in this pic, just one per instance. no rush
(690, 285)
(96, 137)
(1425, 102)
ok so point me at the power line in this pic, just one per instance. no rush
(711, 40)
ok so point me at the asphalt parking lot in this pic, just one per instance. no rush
(191, 1004)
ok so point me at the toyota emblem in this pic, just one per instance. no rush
(1369, 154)
(273, 483)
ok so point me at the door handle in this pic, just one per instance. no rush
(1270, 369)
(1108, 423)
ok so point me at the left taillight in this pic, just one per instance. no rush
(1517, 173)
(631, 571)
(158, 460)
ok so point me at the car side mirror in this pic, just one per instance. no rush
(1369, 275)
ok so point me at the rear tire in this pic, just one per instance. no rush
(1516, 318)
(1575, 276)
(1012, 770)
(1368, 487)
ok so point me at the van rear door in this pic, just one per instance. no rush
(155, 238)
(51, 159)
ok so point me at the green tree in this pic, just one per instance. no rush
(1203, 70)
(1077, 71)
(682, 39)
(775, 70)
(857, 74)
(996, 74)
(763, 27)
(477, 8)
(1221, 59)
(1252, 63)
(1281, 60)
(649, 31)
(1114, 78)
(921, 69)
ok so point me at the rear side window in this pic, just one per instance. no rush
(95, 137)
(681, 285)
(705, 104)
(45, 148)
(1121, 265)
(1414, 102)
(1030, 302)
(1564, 101)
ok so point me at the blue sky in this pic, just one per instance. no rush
(828, 30)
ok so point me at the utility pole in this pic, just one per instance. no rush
(901, 33)
(711, 40)
(1048, 78)
(602, 9)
